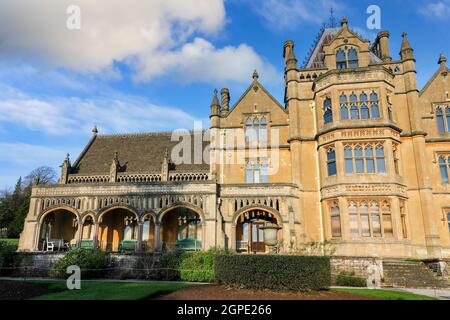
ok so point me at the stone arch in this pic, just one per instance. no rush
(110, 208)
(246, 209)
(177, 205)
(41, 218)
(146, 214)
(87, 214)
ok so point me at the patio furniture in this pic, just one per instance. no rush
(55, 244)
(127, 246)
(189, 244)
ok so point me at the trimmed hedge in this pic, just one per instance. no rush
(7, 253)
(349, 279)
(188, 266)
(275, 272)
(93, 263)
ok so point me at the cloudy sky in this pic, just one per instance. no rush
(146, 65)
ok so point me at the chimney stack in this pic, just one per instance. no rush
(225, 99)
(383, 40)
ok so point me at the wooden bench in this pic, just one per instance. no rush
(127, 246)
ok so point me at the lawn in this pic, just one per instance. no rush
(14, 242)
(386, 294)
(107, 290)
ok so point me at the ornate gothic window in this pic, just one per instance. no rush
(352, 59)
(344, 107)
(263, 130)
(370, 219)
(335, 219)
(331, 162)
(369, 158)
(327, 111)
(444, 164)
(374, 106)
(256, 130)
(341, 59)
(443, 124)
(347, 59)
(354, 106)
(364, 107)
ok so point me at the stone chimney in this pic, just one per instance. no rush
(225, 99)
(383, 40)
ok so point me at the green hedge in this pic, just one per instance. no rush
(91, 262)
(7, 253)
(349, 279)
(188, 266)
(274, 272)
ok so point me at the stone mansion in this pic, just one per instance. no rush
(356, 155)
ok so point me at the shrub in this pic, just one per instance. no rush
(276, 272)
(7, 254)
(91, 263)
(349, 279)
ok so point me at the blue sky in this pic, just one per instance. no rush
(152, 65)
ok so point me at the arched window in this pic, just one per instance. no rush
(374, 107)
(443, 167)
(331, 162)
(348, 155)
(335, 218)
(328, 112)
(447, 116)
(248, 130)
(440, 120)
(364, 108)
(344, 107)
(359, 160)
(263, 130)
(381, 165)
(370, 160)
(341, 59)
(255, 129)
(354, 106)
(352, 59)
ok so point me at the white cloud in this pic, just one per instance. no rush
(64, 116)
(146, 31)
(289, 14)
(201, 60)
(436, 9)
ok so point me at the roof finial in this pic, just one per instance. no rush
(215, 101)
(68, 157)
(442, 60)
(255, 75)
(94, 130)
(344, 22)
(332, 18)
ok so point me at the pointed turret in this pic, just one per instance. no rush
(65, 170)
(406, 51)
(215, 111)
(290, 60)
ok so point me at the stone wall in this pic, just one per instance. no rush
(363, 267)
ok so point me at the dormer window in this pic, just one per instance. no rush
(347, 59)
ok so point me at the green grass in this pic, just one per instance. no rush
(386, 294)
(14, 242)
(107, 290)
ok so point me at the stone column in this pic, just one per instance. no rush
(79, 234)
(96, 230)
(157, 237)
(140, 227)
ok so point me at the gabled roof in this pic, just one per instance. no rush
(317, 57)
(137, 153)
(259, 86)
(442, 68)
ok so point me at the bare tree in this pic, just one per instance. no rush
(45, 175)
